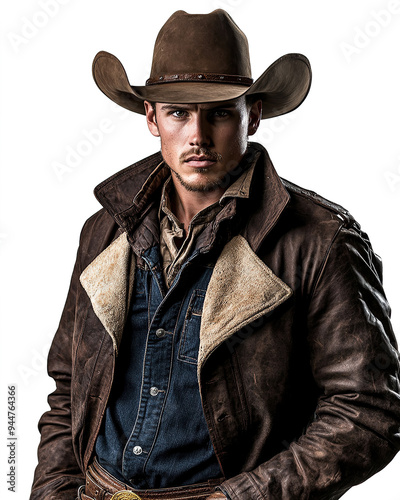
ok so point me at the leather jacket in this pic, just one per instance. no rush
(298, 369)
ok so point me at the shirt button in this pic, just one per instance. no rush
(137, 450)
(154, 391)
(160, 333)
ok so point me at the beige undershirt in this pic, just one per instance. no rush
(171, 229)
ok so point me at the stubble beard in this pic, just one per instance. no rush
(204, 187)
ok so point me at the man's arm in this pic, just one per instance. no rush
(355, 364)
(57, 474)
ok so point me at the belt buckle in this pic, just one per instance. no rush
(125, 495)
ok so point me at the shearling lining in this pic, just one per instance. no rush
(108, 281)
(242, 288)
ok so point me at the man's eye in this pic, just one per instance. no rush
(179, 113)
(220, 113)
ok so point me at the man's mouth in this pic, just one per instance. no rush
(200, 161)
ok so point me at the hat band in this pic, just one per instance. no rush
(201, 77)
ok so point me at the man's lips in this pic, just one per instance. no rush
(200, 161)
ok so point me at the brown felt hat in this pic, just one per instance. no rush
(205, 58)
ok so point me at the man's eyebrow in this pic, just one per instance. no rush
(167, 107)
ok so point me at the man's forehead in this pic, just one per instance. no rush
(233, 103)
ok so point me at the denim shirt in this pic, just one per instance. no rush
(154, 433)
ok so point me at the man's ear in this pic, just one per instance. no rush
(254, 117)
(151, 118)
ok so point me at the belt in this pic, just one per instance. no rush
(101, 485)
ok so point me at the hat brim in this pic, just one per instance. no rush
(282, 87)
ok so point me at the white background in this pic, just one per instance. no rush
(342, 142)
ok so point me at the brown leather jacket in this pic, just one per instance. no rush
(297, 368)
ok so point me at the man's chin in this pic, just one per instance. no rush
(204, 185)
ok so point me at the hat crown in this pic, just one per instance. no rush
(201, 43)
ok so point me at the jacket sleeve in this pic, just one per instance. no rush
(355, 364)
(57, 475)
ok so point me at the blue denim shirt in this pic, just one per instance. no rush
(154, 433)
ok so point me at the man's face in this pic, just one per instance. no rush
(202, 142)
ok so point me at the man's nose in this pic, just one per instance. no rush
(199, 134)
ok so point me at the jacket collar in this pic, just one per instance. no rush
(268, 199)
(128, 194)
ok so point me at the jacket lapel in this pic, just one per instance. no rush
(241, 289)
(108, 281)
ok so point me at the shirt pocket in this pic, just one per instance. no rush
(190, 338)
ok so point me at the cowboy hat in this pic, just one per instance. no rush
(205, 58)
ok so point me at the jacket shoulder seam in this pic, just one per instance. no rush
(342, 213)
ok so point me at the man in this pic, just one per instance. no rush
(225, 333)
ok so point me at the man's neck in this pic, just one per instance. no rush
(186, 204)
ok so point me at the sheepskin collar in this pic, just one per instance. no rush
(108, 280)
(241, 289)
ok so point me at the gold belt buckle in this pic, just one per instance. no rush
(125, 495)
